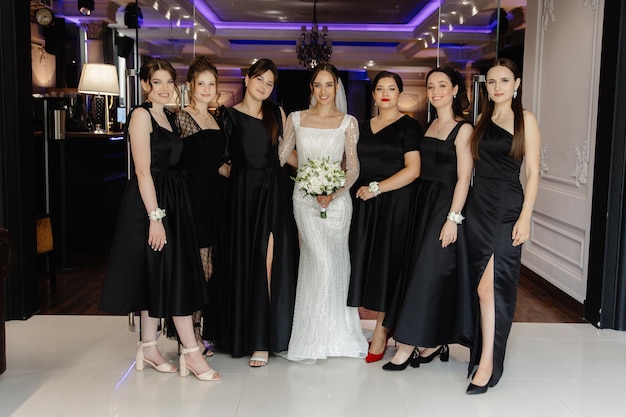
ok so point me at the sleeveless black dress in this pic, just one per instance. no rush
(437, 299)
(379, 230)
(260, 204)
(494, 205)
(168, 282)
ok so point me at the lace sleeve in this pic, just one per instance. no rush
(186, 125)
(352, 160)
(287, 142)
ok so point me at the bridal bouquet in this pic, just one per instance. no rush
(320, 177)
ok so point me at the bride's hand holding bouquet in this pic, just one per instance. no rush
(320, 177)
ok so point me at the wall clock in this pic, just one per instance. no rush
(44, 16)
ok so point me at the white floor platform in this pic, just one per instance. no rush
(83, 366)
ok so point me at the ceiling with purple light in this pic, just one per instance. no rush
(365, 33)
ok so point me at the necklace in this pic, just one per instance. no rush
(196, 112)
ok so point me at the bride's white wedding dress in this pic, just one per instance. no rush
(323, 325)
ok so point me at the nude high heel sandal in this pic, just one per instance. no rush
(184, 369)
(140, 359)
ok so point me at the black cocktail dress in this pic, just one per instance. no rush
(436, 303)
(379, 229)
(167, 282)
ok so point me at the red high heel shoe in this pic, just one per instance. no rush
(375, 357)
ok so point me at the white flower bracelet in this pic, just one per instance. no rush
(157, 214)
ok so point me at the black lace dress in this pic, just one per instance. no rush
(167, 282)
(203, 154)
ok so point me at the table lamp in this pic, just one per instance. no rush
(100, 79)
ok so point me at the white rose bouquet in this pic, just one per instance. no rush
(320, 177)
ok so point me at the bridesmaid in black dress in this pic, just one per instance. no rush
(499, 213)
(389, 157)
(203, 163)
(264, 248)
(436, 308)
(154, 265)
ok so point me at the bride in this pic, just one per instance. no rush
(323, 325)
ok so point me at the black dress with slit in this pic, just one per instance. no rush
(260, 204)
(436, 306)
(167, 282)
(494, 205)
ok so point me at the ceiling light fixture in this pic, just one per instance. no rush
(313, 47)
(85, 7)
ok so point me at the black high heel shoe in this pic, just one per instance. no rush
(477, 389)
(443, 351)
(413, 360)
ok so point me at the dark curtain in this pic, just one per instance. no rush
(605, 305)
(17, 204)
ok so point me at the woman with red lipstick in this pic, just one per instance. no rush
(390, 163)
(203, 162)
(499, 213)
(436, 306)
(154, 264)
(264, 243)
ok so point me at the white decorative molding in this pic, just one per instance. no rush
(547, 14)
(543, 167)
(594, 3)
(581, 171)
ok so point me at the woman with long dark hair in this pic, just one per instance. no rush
(323, 325)
(436, 306)
(499, 213)
(264, 244)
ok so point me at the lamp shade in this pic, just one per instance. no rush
(99, 79)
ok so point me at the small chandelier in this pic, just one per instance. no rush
(313, 47)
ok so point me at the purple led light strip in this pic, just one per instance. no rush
(419, 18)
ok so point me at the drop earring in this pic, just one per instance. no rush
(454, 97)
(515, 93)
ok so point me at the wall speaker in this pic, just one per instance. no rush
(125, 46)
(133, 18)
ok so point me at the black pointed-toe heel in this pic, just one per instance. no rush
(476, 389)
(443, 352)
(412, 360)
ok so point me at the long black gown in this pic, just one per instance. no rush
(260, 204)
(203, 154)
(379, 225)
(494, 205)
(437, 301)
(167, 282)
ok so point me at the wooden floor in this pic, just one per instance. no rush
(80, 284)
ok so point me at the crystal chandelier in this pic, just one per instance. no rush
(313, 47)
